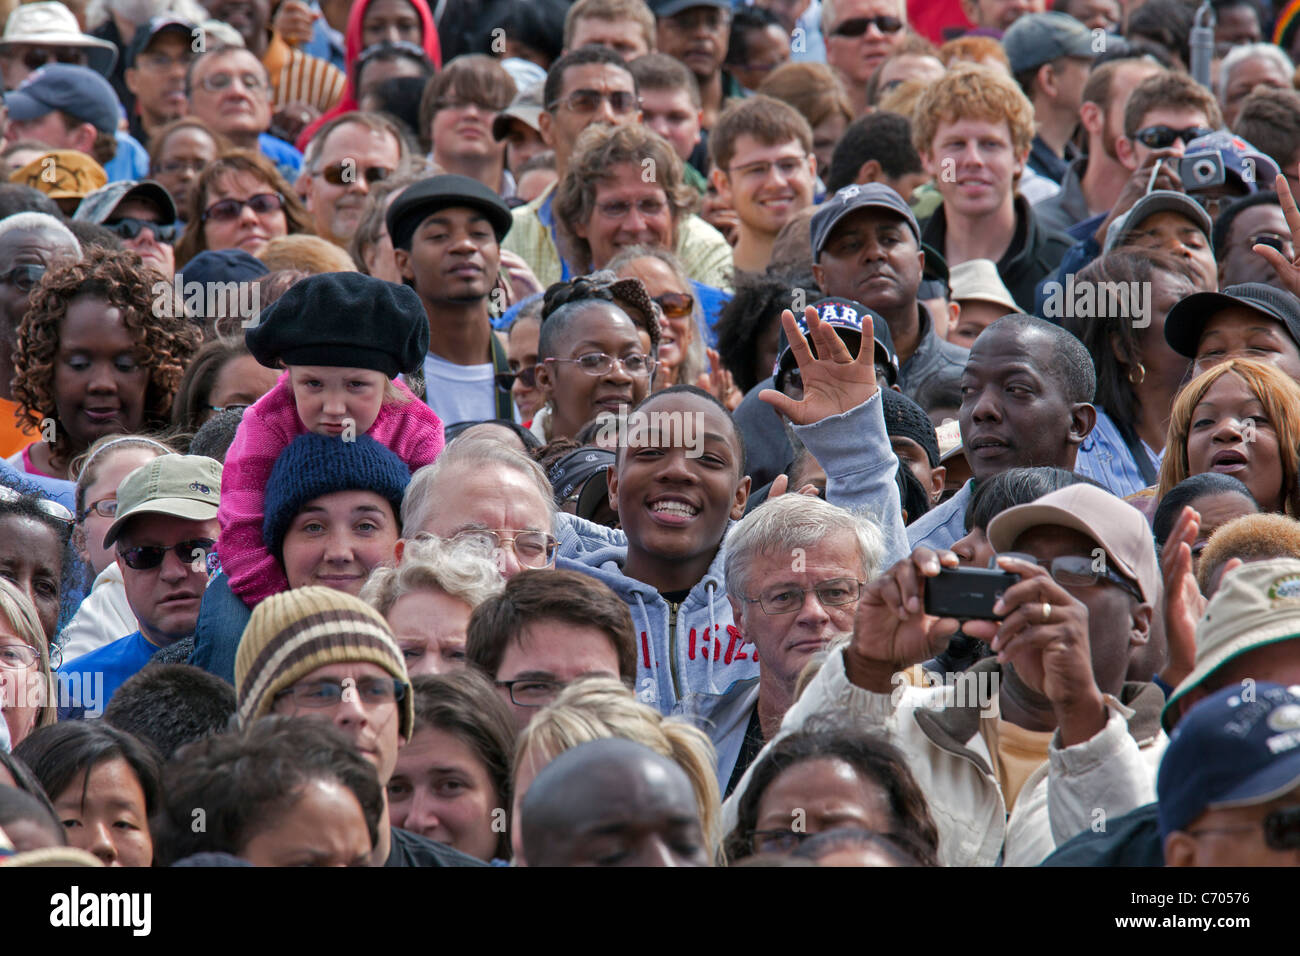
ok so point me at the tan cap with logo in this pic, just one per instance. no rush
(183, 486)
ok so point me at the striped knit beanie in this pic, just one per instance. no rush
(294, 632)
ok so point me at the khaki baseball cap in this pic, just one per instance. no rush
(1116, 525)
(1256, 604)
(978, 279)
(183, 486)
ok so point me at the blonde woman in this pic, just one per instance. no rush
(427, 600)
(26, 686)
(597, 708)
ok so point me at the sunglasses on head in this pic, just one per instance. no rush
(129, 228)
(228, 209)
(1162, 137)
(859, 25)
(51, 508)
(149, 556)
(339, 174)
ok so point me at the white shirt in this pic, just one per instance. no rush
(103, 617)
(460, 393)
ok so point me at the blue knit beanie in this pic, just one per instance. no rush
(315, 465)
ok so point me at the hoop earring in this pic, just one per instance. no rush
(1141, 375)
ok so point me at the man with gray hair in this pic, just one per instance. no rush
(31, 243)
(345, 159)
(860, 35)
(795, 568)
(1244, 70)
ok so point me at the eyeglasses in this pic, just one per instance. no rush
(161, 61)
(859, 25)
(676, 305)
(36, 57)
(620, 102)
(533, 549)
(1077, 571)
(776, 841)
(598, 363)
(619, 208)
(1281, 829)
(532, 693)
(527, 377)
(228, 408)
(18, 657)
(45, 505)
(334, 174)
(104, 507)
(23, 278)
(1162, 137)
(216, 82)
(129, 228)
(370, 691)
(834, 593)
(228, 209)
(148, 557)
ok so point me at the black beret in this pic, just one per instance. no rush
(906, 419)
(343, 320)
(420, 200)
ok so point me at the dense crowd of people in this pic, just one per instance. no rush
(650, 433)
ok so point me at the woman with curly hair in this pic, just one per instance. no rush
(240, 202)
(1240, 418)
(96, 357)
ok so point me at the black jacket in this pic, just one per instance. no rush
(411, 849)
(1034, 253)
(1130, 840)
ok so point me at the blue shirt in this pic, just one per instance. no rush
(1105, 458)
(56, 489)
(944, 525)
(287, 159)
(131, 161)
(99, 674)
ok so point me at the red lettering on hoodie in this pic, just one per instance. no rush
(691, 646)
(739, 654)
(645, 649)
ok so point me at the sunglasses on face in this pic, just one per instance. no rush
(620, 102)
(37, 57)
(1162, 137)
(859, 25)
(51, 508)
(129, 228)
(23, 278)
(228, 209)
(148, 557)
(676, 305)
(525, 376)
(340, 174)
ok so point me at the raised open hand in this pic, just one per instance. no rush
(834, 381)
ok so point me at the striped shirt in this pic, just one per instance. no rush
(299, 78)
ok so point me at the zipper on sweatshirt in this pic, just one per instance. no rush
(672, 649)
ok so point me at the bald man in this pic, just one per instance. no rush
(612, 803)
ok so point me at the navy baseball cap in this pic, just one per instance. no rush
(1243, 161)
(1189, 316)
(670, 8)
(850, 199)
(845, 316)
(422, 199)
(76, 90)
(157, 25)
(1239, 747)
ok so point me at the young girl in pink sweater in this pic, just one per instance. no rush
(342, 338)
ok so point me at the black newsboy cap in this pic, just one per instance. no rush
(343, 320)
(420, 200)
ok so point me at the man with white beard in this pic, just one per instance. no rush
(796, 566)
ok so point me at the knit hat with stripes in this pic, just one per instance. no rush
(294, 632)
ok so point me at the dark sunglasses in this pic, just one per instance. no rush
(334, 174)
(859, 25)
(38, 57)
(147, 557)
(129, 228)
(676, 305)
(1162, 137)
(23, 278)
(228, 209)
(526, 376)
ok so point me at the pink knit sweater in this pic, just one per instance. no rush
(411, 430)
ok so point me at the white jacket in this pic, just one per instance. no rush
(103, 617)
(1078, 787)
